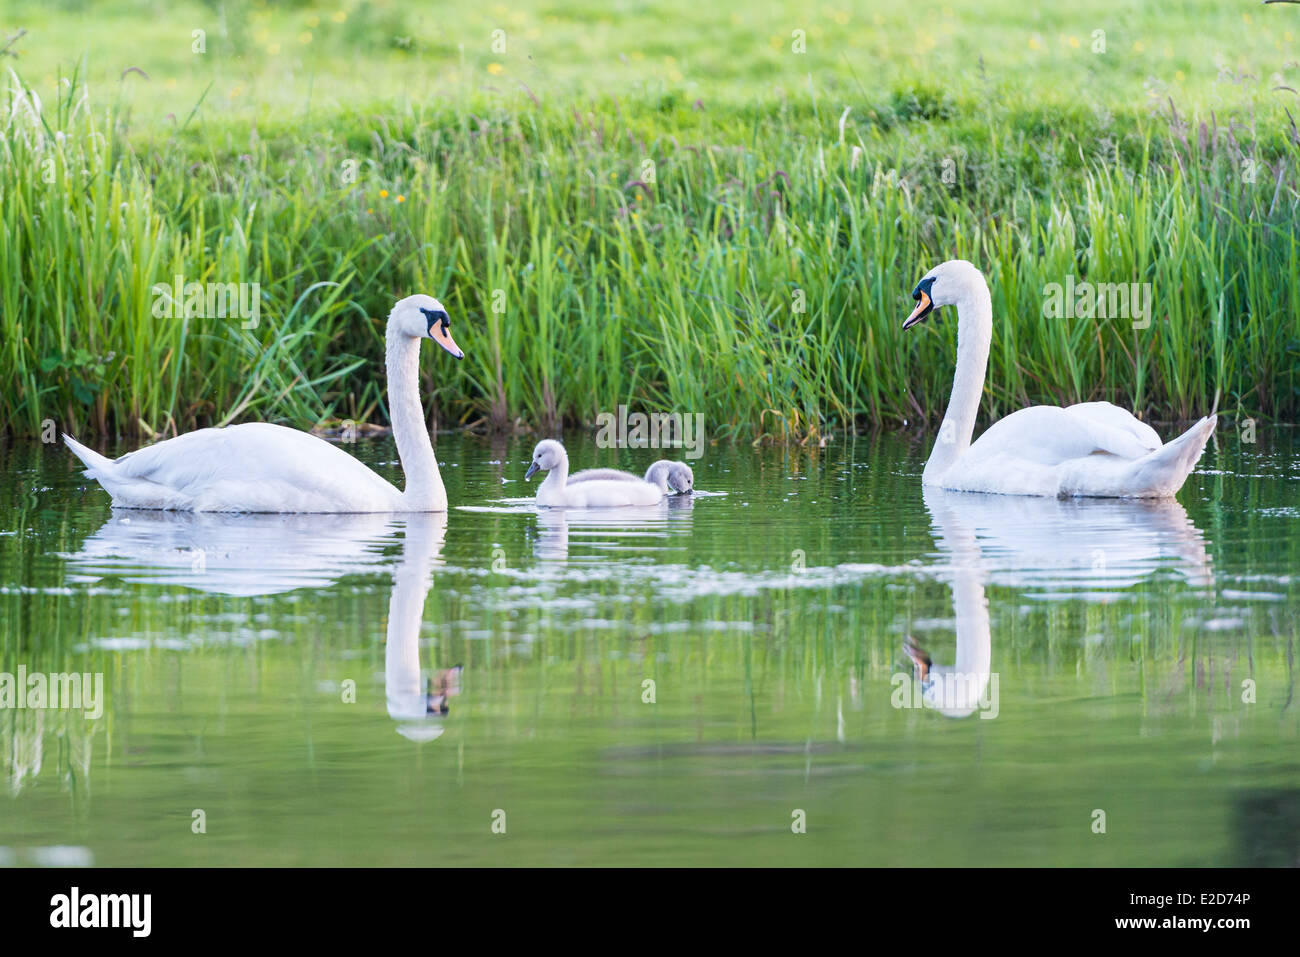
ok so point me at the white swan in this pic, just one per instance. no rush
(549, 455)
(1089, 449)
(663, 474)
(260, 467)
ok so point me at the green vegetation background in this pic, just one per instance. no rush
(706, 208)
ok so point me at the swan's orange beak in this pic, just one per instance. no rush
(440, 333)
(923, 307)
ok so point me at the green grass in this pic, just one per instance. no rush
(760, 278)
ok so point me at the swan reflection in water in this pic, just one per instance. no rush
(418, 708)
(232, 554)
(595, 533)
(1076, 548)
(260, 554)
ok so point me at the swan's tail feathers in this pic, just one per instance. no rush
(1163, 472)
(97, 465)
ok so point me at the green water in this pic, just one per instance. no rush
(1107, 648)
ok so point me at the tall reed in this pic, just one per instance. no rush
(755, 270)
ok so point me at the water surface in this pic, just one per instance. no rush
(677, 685)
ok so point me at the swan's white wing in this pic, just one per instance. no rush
(608, 493)
(598, 475)
(1045, 450)
(251, 467)
(1113, 417)
(1049, 435)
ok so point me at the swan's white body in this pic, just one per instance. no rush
(260, 467)
(1090, 449)
(256, 467)
(556, 492)
(662, 474)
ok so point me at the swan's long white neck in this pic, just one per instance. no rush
(424, 489)
(555, 479)
(974, 336)
(657, 475)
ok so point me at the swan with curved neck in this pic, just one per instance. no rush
(664, 474)
(1089, 449)
(260, 467)
(555, 491)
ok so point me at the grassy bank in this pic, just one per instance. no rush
(713, 236)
